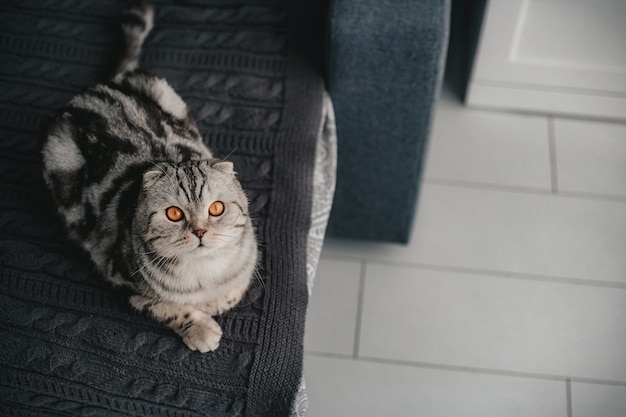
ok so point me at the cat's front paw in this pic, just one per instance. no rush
(202, 334)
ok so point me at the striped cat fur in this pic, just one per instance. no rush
(144, 196)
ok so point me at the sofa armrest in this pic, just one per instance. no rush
(384, 67)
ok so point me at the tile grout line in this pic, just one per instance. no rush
(523, 276)
(568, 395)
(487, 186)
(359, 310)
(554, 178)
(553, 89)
(581, 195)
(466, 369)
(565, 116)
(578, 195)
(505, 274)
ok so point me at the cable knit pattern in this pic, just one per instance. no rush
(70, 344)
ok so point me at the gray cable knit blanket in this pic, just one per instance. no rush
(70, 344)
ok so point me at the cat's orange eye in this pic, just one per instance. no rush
(174, 214)
(216, 208)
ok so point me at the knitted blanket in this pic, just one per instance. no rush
(69, 343)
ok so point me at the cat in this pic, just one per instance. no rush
(142, 194)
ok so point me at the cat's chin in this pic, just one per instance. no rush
(200, 251)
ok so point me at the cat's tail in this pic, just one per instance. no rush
(136, 25)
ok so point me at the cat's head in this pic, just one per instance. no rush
(192, 209)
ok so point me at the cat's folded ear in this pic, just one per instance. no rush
(154, 174)
(224, 166)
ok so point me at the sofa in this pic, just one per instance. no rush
(261, 78)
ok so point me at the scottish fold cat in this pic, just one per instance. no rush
(145, 197)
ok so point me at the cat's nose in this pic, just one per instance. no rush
(199, 232)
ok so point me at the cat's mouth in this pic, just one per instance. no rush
(201, 248)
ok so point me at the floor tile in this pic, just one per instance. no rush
(592, 400)
(347, 388)
(591, 156)
(332, 311)
(497, 323)
(488, 147)
(509, 231)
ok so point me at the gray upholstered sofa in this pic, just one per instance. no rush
(252, 73)
(384, 65)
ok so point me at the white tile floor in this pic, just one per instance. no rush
(509, 301)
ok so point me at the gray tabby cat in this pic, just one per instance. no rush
(144, 196)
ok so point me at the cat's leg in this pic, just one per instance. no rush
(197, 328)
(224, 302)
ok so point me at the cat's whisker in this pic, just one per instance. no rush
(167, 261)
(257, 275)
(156, 261)
(147, 253)
(224, 235)
(231, 152)
(222, 240)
